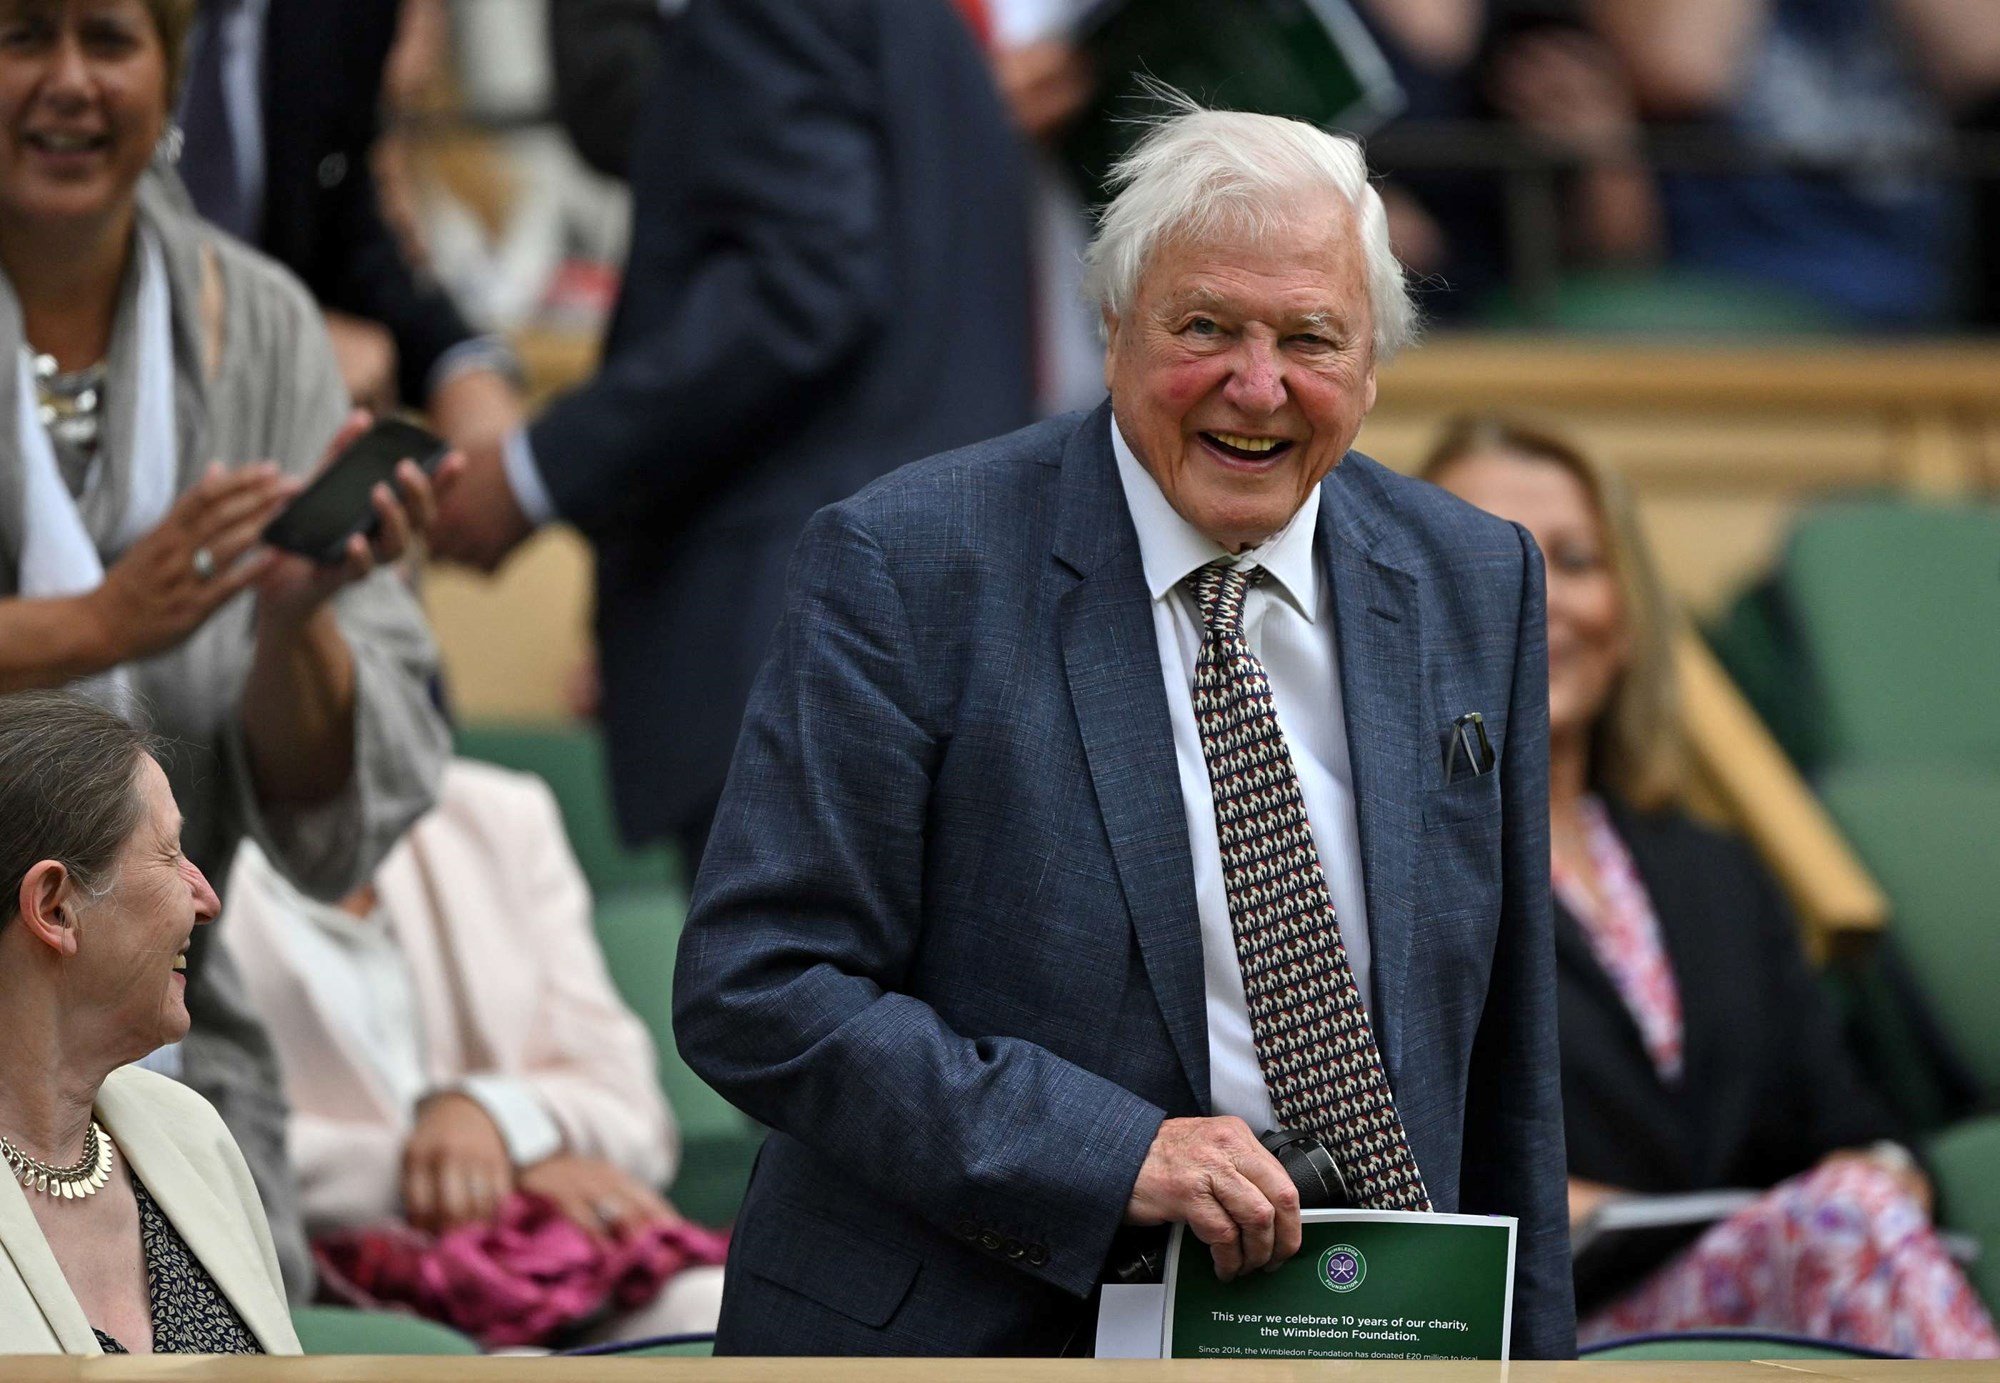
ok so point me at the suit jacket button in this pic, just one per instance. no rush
(966, 1230)
(1016, 1249)
(990, 1241)
(1037, 1255)
(332, 169)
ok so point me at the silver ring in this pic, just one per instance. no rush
(607, 1211)
(204, 563)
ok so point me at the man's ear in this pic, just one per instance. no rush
(1109, 325)
(1369, 405)
(48, 906)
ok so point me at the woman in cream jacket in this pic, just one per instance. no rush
(129, 1222)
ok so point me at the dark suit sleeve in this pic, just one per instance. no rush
(355, 263)
(807, 920)
(603, 53)
(1514, 1161)
(758, 265)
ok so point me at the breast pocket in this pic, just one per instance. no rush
(1468, 799)
(1458, 860)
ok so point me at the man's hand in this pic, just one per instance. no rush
(1045, 84)
(455, 1166)
(1214, 1176)
(597, 1195)
(479, 521)
(474, 409)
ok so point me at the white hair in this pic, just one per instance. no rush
(1197, 171)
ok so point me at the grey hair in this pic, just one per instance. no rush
(68, 789)
(1197, 171)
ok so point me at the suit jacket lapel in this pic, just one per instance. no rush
(1381, 685)
(216, 1234)
(1112, 661)
(21, 1236)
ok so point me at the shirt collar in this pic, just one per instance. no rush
(1170, 547)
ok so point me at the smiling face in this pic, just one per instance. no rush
(132, 942)
(1590, 640)
(83, 102)
(1243, 368)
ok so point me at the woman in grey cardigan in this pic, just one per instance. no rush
(165, 392)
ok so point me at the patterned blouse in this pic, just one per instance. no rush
(1624, 933)
(190, 1314)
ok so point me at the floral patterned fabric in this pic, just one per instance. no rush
(1842, 1253)
(1624, 934)
(190, 1314)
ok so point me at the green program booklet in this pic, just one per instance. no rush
(1366, 1284)
(1310, 59)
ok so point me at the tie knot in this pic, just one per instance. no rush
(1219, 590)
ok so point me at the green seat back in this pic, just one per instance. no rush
(344, 1330)
(1965, 1162)
(569, 757)
(1897, 607)
(1660, 302)
(1927, 832)
(1724, 1344)
(640, 932)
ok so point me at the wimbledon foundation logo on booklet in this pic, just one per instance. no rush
(1342, 1268)
(1366, 1284)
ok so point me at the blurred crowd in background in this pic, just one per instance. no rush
(1724, 165)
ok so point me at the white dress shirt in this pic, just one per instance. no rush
(1288, 622)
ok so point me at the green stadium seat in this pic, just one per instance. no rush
(1926, 832)
(1896, 609)
(1660, 302)
(1965, 1166)
(569, 757)
(344, 1330)
(640, 931)
(1716, 1345)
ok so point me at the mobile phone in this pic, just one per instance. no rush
(336, 505)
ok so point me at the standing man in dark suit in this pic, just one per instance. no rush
(828, 278)
(281, 109)
(1093, 813)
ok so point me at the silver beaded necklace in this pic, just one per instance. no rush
(84, 1177)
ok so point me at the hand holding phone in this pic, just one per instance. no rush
(338, 503)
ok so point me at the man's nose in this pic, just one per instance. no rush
(1257, 385)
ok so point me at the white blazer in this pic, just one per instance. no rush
(174, 1141)
(494, 917)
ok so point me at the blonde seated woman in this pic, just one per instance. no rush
(1697, 1051)
(130, 1223)
(449, 1035)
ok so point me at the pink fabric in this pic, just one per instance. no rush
(1624, 934)
(520, 1279)
(1842, 1252)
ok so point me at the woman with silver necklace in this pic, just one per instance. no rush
(129, 1220)
(164, 391)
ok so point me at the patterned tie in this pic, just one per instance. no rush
(1312, 1035)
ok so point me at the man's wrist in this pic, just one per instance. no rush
(490, 354)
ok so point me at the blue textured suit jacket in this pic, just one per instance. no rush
(945, 940)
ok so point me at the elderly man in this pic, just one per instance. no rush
(1094, 812)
